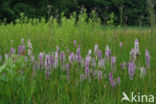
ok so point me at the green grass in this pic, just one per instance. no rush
(30, 88)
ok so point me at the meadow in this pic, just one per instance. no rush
(75, 62)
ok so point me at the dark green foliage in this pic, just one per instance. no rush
(127, 12)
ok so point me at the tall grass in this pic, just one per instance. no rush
(20, 84)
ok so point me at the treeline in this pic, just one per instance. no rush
(121, 12)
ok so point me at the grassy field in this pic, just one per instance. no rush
(27, 78)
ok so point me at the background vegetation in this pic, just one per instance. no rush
(126, 12)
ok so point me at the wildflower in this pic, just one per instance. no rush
(131, 69)
(19, 50)
(88, 57)
(74, 43)
(57, 48)
(107, 52)
(23, 48)
(137, 53)
(29, 48)
(71, 58)
(113, 84)
(62, 56)
(136, 45)
(87, 67)
(147, 57)
(47, 65)
(48, 72)
(132, 55)
(29, 52)
(22, 41)
(12, 51)
(111, 80)
(78, 50)
(110, 77)
(143, 72)
(67, 66)
(93, 62)
(47, 61)
(96, 49)
(101, 63)
(29, 44)
(52, 60)
(113, 61)
(118, 80)
(100, 75)
(78, 56)
(100, 54)
(89, 52)
(35, 66)
(121, 44)
(56, 59)
(41, 59)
